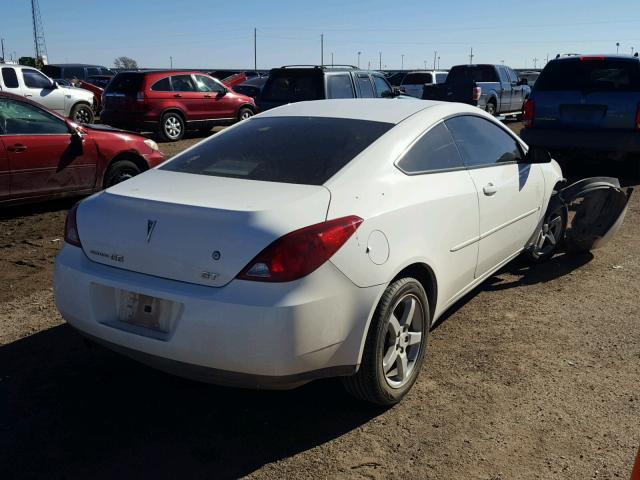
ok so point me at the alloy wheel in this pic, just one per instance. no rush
(172, 127)
(550, 234)
(403, 340)
(83, 115)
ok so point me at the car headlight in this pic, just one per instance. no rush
(151, 144)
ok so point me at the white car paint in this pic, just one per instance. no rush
(281, 334)
(60, 99)
(413, 89)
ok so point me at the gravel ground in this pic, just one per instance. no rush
(534, 375)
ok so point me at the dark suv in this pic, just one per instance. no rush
(586, 105)
(295, 83)
(75, 71)
(171, 102)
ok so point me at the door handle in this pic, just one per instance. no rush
(177, 95)
(490, 189)
(18, 147)
(28, 95)
(207, 96)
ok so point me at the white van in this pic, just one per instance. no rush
(75, 103)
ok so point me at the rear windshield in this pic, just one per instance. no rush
(475, 73)
(417, 79)
(293, 87)
(127, 83)
(592, 75)
(302, 150)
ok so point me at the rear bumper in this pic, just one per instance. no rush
(598, 140)
(248, 334)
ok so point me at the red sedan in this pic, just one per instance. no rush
(44, 156)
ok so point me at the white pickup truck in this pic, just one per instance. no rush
(75, 103)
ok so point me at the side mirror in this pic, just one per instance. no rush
(53, 85)
(223, 92)
(523, 81)
(537, 155)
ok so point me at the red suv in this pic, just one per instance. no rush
(170, 102)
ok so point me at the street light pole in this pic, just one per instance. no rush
(332, 59)
(438, 63)
(617, 47)
(435, 59)
(359, 53)
(402, 64)
(170, 61)
(322, 49)
(380, 53)
(255, 48)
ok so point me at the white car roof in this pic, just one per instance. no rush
(373, 109)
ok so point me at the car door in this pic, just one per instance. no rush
(447, 211)
(517, 97)
(4, 167)
(44, 157)
(216, 103)
(510, 194)
(42, 89)
(187, 96)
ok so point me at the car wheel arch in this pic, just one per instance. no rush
(174, 110)
(132, 156)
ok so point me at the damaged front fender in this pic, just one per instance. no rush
(596, 207)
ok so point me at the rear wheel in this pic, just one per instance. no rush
(395, 345)
(81, 113)
(245, 113)
(551, 232)
(119, 172)
(491, 108)
(172, 127)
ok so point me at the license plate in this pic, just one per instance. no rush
(145, 311)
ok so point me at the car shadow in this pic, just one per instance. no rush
(27, 209)
(69, 411)
(521, 272)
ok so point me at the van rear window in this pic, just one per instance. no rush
(287, 86)
(590, 75)
(127, 83)
(302, 150)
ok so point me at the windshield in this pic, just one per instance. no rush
(127, 83)
(594, 75)
(302, 150)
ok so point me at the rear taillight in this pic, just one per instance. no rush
(477, 93)
(300, 252)
(592, 58)
(71, 235)
(638, 117)
(528, 113)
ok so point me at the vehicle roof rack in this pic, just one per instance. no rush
(320, 66)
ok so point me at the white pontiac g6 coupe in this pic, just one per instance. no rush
(317, 239)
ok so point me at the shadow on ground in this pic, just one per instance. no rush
(69, 411)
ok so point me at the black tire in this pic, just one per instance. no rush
(491, 108)
(120, 171)
(244, 113)
(172, 127)
(371, 383)
(82, 113)
(553, 224)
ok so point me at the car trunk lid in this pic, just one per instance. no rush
(122, 92)
(193, 228)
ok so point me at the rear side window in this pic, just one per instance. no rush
(92, 71)
(504, 76)
(125, 83)
(34, 79)
(339, 86)
(183, 83)
(364, 84)
(383, 90)
(302, 150)
(434, 151)
(9, 77)
(481, 143)
(417, 79)
(163, 85)
(477, 73)
(52, 71)
(73, 72)
(293, 87)
(441, 77)
(591, 75)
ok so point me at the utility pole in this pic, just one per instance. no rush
(631, 50)
(380, 54)
(402, 62)
(438, 63)
(322, 49)
(332, 59)
(535, 63)
(435, 59)
(471, 57)
(170, 61)
(255, 48)
(617, 47)
(425, 64)
(359, 53)
(2, 41)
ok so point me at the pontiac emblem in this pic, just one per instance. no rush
(151, 225)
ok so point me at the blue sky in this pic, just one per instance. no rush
(220, 34)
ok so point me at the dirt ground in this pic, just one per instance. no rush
(534, 375)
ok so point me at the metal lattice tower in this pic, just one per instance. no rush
(38, 32)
